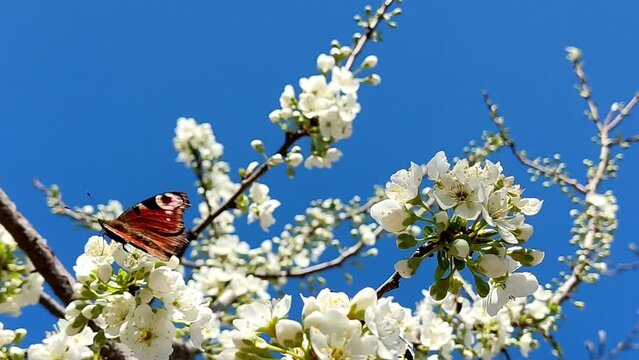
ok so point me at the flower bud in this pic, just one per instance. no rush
(460, 248)
(364, 299)
(16, 353)
(441, 221)
(325, 63)
(289, 333)
(391, 215)
(493, 266)
(275, 160)
(369, 62)
(258, 146)
(403, 269)
(294, 159)
(274, 116)
(573, 54)
(524, 233)
(252, 166)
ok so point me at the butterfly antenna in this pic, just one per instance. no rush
(96, 206)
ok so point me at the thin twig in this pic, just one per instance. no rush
(199, 173)
(586, 92)
(621, 141)
(335, 262)
(623, 112)
(290, 139)
(61, 206)
(564, 291)
(338, 261)
(370, 30)
(625, 344)
(503, 132)
(393, 281)
(623, 267)
(50, 304)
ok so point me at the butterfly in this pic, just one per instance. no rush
(155, 225)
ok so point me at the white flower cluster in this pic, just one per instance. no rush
(262, 206)
(60, 345)
(479, 223)
(325, 108)
(191, 137)
(224, 274)
(303, 243)
(116, 290)
(20, 286)
(457, 324)
(332, 327)
(9, 340)
(199, 150)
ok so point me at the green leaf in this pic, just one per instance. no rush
(455, 285)
(482, 286)
(406, 241)
(414, 263)
(440, 272)
(439, 289)
(442, 259)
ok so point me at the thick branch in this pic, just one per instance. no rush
(48, 265)
(35, 247)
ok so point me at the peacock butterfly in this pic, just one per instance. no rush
(155, 225)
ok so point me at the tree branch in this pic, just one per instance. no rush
(61, 207)
(393, 281)
(36, 249)
(503, 132)
(290, 139)
(565, 290)
(48, 265)
(50, 304)
(338, 261)
(370, 30)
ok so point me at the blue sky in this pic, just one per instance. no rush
(90, 91)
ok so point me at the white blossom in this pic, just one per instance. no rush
(517, 285)
(149, 333)
(335, 336)
(404, 184)
(59, 345)
(391, 215)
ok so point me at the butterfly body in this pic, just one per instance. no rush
(155, 225)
